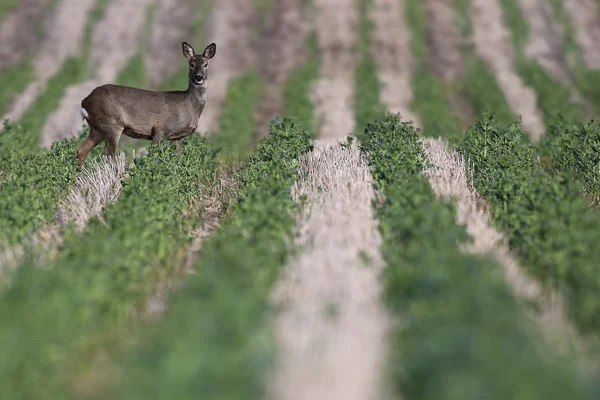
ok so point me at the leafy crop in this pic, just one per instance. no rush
(462, 333)
(51, 313)
(37, 180)
(553, 230)
(215, 339)
(237, 124)
(574, 148)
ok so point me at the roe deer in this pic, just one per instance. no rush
(112, 110)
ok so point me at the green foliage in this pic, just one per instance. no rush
(553, 230)
(37, 180)
(237, 124)
(215, 338)
(297, 90)
(367, 86)
(553, 97)
(575, 149)
(51, 313)
(431, 94)
(462, 334)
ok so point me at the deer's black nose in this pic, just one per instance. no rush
(198, 79)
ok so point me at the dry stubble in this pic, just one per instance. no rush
(493, 45)
(449, 180)
(333, 95)
(331, 328)
(392, 53)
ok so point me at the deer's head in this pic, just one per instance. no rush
(198, 72)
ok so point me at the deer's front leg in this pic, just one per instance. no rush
(157, 135)
(179, 147)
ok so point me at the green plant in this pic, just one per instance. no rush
(215, 338)
(62, 310)
(462, 335)
(553, 231)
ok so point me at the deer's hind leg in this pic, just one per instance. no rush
(110, 144)
(93, 140)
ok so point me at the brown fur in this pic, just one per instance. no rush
(113, 110)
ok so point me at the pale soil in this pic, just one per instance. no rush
(444, 40)
(18, 36)
(585, 19)
(449, 180)
(173, 25)
(95, 188)
(392, 52)
(493, 45)
(114, 42)
(281, 50)
(231, 26)
(63, 39)
(333, 94)
(331, 328)
(546, 42)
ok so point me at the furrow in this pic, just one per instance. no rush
(231, 26)
(393, 54)
(18, 35)
(444, 53)
(63, 39)
(333, 95)
(493, 45)
(584, 15)
(449, 180)
(281, 48)
(114, 41)
(173, 25)
(332, 329)
(546, 42)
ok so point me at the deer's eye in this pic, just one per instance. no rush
(192, 65)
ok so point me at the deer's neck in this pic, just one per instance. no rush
(197, 94)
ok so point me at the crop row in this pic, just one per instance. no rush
(33, 182)
(574, 148)
(551, 228)
(462, 334)
(51, 313)
(215, 338)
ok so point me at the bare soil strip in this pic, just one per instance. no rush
(393, 55)
(63, 39)
(173, 25)
(493, 45)
(114, 41)
(18, 35)
(449, 180)
(231, 26)
(280, 49)
(585, 18)
(444, 40)
(332, 328)
(546, 42)
(333, 95)
(95, 188)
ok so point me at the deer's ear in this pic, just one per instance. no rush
(188, 51)
(210, 51)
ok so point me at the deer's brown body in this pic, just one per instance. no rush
(112, 110)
